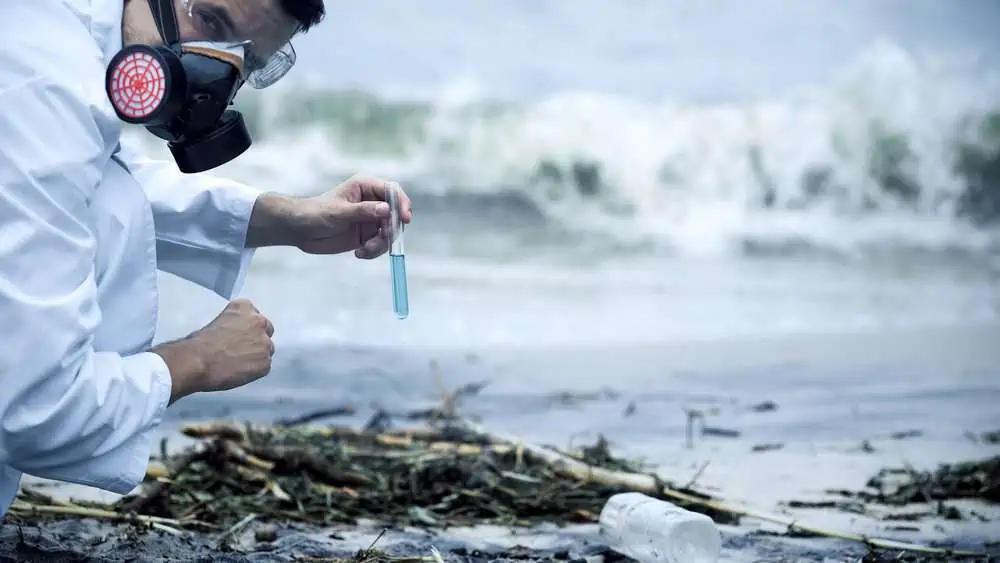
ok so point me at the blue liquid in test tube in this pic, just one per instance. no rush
(397, 257)
(400, 299)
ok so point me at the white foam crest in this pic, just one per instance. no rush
(686, 171)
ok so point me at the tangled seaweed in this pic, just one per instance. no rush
(972, 479)
(337, 475)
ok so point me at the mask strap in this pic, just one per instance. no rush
(166, 20)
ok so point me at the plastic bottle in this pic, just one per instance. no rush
(654, 531)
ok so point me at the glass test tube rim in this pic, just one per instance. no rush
(396, 247)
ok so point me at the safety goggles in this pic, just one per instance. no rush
(268, 53)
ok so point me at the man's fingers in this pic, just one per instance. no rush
(367, 230)
(369, 211)
(370, 188)
(373, 247)
(376, 189)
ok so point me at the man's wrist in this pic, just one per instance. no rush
(186, 366)
(272, 221)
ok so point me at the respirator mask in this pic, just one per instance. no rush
(182, 91)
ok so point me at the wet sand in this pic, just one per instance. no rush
(89, 540)
(789, 420)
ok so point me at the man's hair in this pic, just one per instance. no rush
(307, 12)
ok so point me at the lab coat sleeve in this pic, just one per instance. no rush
(67, 412)
(201, 221)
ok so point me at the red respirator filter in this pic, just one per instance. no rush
(139, 81)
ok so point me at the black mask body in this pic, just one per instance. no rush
(181, 93)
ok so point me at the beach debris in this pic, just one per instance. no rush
(372, 555)
(572, 399)
(696, 417)
(266, 533)
(31, 505)
(450, 472)
(902, 486)
(452, 399)
(693, 415)
(865, 447)
(765, 406)
(224, 539)
(903, 435)
(420, 477)
(902, 556)
(630, 409)
(716, 509)
(719, 432)
(694, 478)
(855, 507)
(342, 410)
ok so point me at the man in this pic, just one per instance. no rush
(85, 223)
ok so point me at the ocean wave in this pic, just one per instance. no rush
(893, 152)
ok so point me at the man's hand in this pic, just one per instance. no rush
(232, 350)
(352, 216)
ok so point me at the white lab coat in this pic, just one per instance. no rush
(84, 225)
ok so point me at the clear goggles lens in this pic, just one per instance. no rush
(267, 59)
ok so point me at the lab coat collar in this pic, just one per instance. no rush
(104, 17)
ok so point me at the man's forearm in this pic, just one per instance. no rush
(271, 221)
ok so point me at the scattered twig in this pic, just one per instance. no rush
(342, 410)
(720, 432)
(372, 546)
(168, 529)
(23, 508)
(234, 529)
(697, 474)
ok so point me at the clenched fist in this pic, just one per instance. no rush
(232, 350)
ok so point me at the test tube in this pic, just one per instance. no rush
(397, 256)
